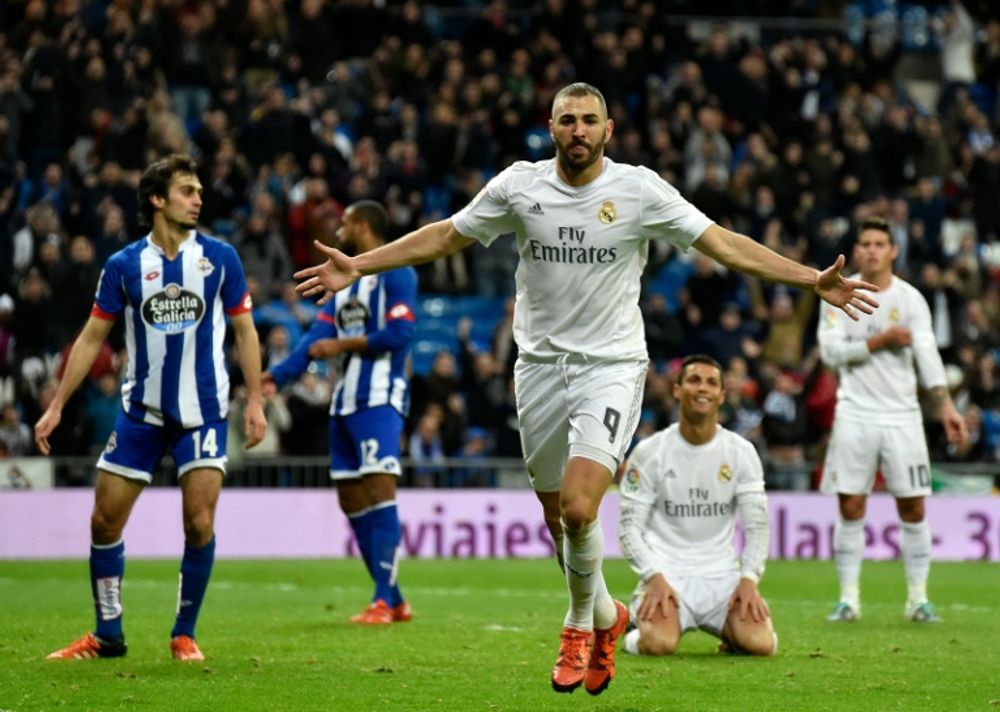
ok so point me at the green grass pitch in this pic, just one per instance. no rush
(484, 638)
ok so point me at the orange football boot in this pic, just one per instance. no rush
(183, 647)
(90, 646)
(378, 613)
(574, 656)
(601, 669)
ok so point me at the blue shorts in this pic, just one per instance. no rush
(135, 449)
(365, 443)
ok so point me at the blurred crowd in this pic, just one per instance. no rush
(297, 108)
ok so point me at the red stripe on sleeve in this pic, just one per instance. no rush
(245, 305)
(400, 311)
(101, 314)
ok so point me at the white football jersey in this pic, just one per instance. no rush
(582, 251)
(881, 386)
(680, 499)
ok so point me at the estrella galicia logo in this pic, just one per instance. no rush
(173, 310)
(352, 317)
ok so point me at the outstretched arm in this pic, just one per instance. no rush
(429, 243)
(740, 253)
(81, 358)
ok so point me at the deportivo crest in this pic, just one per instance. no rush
(352, 317)
(725, 474)
(607, 214)
(112, 442)
(204, 266)
(173, 310)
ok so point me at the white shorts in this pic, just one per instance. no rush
(704, 603)
(572, 408)
(858, 450)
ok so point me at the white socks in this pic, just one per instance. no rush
(915, 545)
(848, 551)
(590, 604)
(632, 642)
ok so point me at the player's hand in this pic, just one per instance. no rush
(659, 600)
(44, 428)
(896, 337)
(328, 278)
(324, 348)
(848, 294)
(955, 428)
(268, 388)
(254, 423)
(746, 600)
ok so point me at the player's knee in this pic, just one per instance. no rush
(653, 642)
(577, 512)
(754, 640)
(199, 528)
(852, 508)
(105, 528)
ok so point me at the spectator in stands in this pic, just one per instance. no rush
(426, 449)
(14, 432)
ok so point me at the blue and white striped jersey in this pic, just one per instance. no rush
(174, 326)
(381, 307)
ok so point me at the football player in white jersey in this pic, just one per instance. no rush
(582, 224)
(173, 289)
(878, 423)
(681, 493)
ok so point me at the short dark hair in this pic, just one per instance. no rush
(699, 358)
(156, 181)
(373, 214)
(579, 89)
(877, 223)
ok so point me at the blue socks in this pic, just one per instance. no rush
(378, 533)
(196, 568)
(107, 567)
(386, 533)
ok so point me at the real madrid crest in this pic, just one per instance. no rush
(894, 315)
(725, 474)
(112, 442)
(607, 214)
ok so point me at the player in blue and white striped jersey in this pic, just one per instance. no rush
(173, 288)
(370, 328)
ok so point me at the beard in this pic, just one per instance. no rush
(579, 163)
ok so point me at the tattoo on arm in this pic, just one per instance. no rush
(938, 396)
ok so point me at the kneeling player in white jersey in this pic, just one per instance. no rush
(583, 225)
(682, 490)
(173, 288)
(878, 423)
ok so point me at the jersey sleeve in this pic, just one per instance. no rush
(666, 214)
(750, 472)
(488, 215)
(834, 347)
(400, 312)
(295, 363)
(110, 300)
(638, 495)
(235, 295)
(925, 350)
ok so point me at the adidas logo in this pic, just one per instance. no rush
(536, 209)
